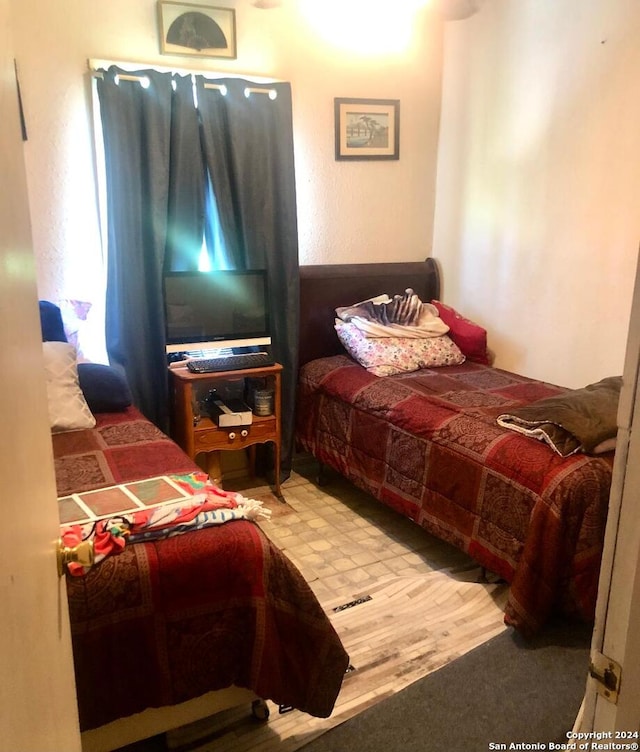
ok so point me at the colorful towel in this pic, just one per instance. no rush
(208, 505)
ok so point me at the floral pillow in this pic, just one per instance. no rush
(386, 356)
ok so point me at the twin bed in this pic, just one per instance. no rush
(167, 621)
(428, 444)
(173, 629)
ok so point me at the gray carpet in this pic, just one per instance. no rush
(507, 690)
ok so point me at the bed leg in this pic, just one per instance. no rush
(483, 575)
(322, 478)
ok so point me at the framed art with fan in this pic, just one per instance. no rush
(196, 30)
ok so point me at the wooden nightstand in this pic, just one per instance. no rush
(195, 432)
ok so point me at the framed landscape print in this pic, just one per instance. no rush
(200, 30)
(367, 128)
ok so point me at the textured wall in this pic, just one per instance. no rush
(538, 191)
(347, 211)
(538, 160)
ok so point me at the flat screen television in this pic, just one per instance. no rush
(216, 310)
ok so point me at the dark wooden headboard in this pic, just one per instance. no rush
(324, 288)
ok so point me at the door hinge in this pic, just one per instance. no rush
(607, 675)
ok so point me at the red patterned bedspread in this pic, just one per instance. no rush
(428, 445)
(166, 621)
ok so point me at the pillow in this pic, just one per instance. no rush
(68, 409)
(470, 337)
(74, 317)
(386, 356)
(105, 389)
(51, 322)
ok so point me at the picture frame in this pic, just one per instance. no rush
(367, 128)
(196, 30)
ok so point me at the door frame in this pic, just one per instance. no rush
(618, 606)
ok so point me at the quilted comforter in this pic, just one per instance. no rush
(428, 444)
(166, 621)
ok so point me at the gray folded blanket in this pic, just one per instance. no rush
(582, 420)
(401, 309)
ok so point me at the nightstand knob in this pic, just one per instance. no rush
(232, 435)
(244, 433)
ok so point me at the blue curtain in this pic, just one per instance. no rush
(136, 125)
(187, 181)
(166, 162)
(248, 148)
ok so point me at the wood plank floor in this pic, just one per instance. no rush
(420, 604)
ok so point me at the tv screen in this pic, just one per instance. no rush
(216, 309)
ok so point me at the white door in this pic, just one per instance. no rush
(617, 628)
(38, 711)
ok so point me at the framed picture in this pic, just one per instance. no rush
(367, 128)
(200, 30)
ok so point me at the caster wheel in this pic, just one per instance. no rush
(260, 710)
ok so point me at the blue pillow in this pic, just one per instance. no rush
(51, 322)
(105, 389)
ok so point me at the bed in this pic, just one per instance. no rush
(170, 630)
(428, 444)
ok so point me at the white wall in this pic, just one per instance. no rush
(538, 191)
(368, 211)
(538, 209)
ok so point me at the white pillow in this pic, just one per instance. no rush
(68, 409)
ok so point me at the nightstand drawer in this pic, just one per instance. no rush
(209, 439)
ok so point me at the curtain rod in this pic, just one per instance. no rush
(94, 64)
(220, 87)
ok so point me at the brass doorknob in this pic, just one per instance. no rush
(82, 554)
